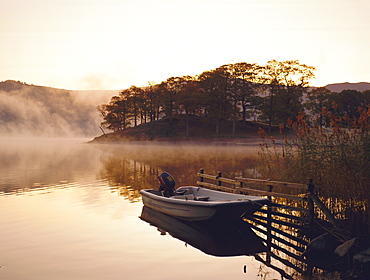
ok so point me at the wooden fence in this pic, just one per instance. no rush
(286, 224)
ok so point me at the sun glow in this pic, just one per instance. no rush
(114, 44)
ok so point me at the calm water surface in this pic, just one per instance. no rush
(72, 211)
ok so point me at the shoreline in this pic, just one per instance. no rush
(242, 141)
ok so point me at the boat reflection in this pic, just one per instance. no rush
(210, 237)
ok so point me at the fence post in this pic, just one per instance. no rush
(201, 178)
(241, 186)
(269, 226)
(311, 205)
(219, 175)
(201, 171)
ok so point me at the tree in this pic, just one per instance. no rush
(286, 81)
(137, 102)
(366, 96)
(213, 86)
(242, 88)
(348, 101)
(170, 89)
(115, 114)
(153, 97)
(188, 100)
(229, 92)
(318, 99)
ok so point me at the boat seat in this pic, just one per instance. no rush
(180, 192)
(191, 197)
(184, 196)
(201, 198)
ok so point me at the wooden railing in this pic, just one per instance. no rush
(245, 185)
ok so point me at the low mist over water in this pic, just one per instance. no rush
(36, 162)
(28, 110)
(49, 161)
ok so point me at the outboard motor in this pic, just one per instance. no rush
(167, 184)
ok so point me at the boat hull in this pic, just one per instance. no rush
(194, 213)
(220, 205)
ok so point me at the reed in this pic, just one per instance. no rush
(336, 157)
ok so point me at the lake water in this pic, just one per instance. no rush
(71, 210)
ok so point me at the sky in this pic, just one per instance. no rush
(113, 44)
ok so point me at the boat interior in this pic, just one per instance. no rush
(186, 193)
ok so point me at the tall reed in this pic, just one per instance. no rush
(337, 158)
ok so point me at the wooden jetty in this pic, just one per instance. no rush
(287, 224)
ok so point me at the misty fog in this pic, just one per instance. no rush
(27, 110)
(27, 162)
(34, 163)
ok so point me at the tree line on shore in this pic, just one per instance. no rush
(273, 93)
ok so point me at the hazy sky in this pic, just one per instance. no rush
(112, 44)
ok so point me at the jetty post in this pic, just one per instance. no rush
(311, 206)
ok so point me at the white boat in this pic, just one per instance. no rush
(197, 203)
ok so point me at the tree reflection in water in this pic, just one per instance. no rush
(131, 167)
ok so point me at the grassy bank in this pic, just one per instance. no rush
(174, 128)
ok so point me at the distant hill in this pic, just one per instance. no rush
(353, 86)
(29, 110)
